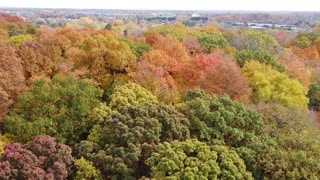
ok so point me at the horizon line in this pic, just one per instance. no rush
(67, 8)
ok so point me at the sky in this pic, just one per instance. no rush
(252, 5)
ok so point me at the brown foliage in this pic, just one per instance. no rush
(38, 58)
(12, 81)
(295, 66)
(309, 53)
(193, 45)
(157, 80)
(170, 45)
(284, 38)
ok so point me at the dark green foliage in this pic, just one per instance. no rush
(59, 108)
(213, 41)
(314, 96)
(219, 118)
(42, 158)
(108, 27)
(192, 159)
(125, 139)
(263, 57)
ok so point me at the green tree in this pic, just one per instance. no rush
(262, 57)
(213, 41)
(272, 86)
(108, 27)
(192, 159)
(292, 157)
(120, 145)
(60, 108)
(302, 42)
(137, 48)
(314, 96)
(215, 119)
(129, 94)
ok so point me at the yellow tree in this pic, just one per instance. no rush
(107, 59)
(272, 86)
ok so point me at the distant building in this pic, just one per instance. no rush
(195, 15)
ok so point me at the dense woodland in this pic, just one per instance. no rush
(172, 103)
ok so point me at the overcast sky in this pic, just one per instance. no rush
(257, 5)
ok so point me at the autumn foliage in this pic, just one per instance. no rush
(12, 80)
(123, 101)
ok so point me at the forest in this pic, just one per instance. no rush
(175, 102)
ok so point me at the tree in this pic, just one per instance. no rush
(308, 53)
(262, 57)
(280, 120)
(129, 94)
(214, 73)
(20, 39)
(12, 81)
(254, 41)
(295, 67)
(192, 159)
(107, 59)
(170, 45)
(215, 119)
(137, 48)
(283, 37)
(197, 68)
(178, 31)
(38, 59)
(160, 58)
(272, 86)
(108, 27)
(4, 140)
(225, 78)
(42, 158)
(121, 144)
(85, 170)
(157, 80)
(291, 157)
(314, 96)
(210, 42)
(193, 45)
(60, 108)
(302, 42)
(14, 25)
(3, 34)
